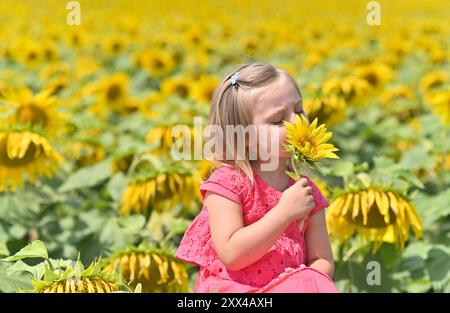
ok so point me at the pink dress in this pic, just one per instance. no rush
(289, 250)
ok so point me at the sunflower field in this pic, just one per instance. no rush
(89, 93)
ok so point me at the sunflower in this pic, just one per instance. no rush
(34, 110)
(349, 88)
(162, 136)
(308, 143)
(204, 87)
(177, 85)
(72, 279)
(399, 92)
(440, 103)
(157, 64)
(162, 188)
(433, 80)
(25, 152)
(156, 270)
(328, 108)
(113, 45)
(113, 89)
(112, 93)
(149, 104)
(122, 162)
(57, 84)
(375, 74)
(375, 214)
(86, 66)
(86, 152)
(28, 52)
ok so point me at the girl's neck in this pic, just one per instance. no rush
(276, 178)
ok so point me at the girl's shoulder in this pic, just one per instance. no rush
(228, 181)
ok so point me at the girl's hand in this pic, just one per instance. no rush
(297, 201)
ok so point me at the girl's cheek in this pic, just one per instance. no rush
(282, 142)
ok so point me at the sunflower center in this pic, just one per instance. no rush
(32, 56)
(158, 64)
(371, 78)
(114, 92)
(33, 153)
(374, 218)
(307, 147)
(32, 114)
(181, 90)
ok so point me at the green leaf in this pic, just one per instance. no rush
(417, 158)
(438, 264)
(36, 249)
(131, 224)
(21, 267)
(15, 282)
(3, 248)
(87, 176)
(340, 168)
(49, 275)
(116, 185)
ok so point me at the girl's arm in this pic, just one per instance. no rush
(318, 247)
(236, 245)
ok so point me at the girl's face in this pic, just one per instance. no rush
(276, 103)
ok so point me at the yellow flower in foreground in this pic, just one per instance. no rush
(155, 270)
(376, 215)
(25, 152)
(307, 142)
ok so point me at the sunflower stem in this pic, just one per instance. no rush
(295, 169)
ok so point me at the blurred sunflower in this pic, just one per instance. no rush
(162, 135)
(114, 44)
(156, 270)
(157, 64)
(375, 73)
(112, 93)
(204, 87)
(86, 66)
(432, 81)
(375, 214)
(150, 103)
(28, 52)
(440, 103)
(57, 84)
(349, 88)
(160, 188)
(328, 108)
(307, 142)
(177, 85)
(34, 110)
(396, 93)
(85, 152)
(121, 163)
(25, 153)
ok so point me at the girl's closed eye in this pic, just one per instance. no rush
(280, 122)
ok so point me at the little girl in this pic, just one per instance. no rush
(248, 236)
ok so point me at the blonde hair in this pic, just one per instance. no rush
(233, 106)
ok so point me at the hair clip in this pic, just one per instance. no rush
(234, 78)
